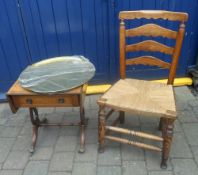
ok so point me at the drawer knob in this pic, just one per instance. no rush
(29, 101)
(61, 100)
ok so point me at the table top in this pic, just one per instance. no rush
(57, 74)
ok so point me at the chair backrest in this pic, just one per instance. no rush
(151, 30)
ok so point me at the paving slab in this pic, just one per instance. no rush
(187, 117)
(184, 167)
(93, 101)
(69, 131)
(26, 129)
(3, 120)
(46, 110)
(62, 110)
(130, 153)
(92, 123)
(5, 147)
(135, 167)
(193, 103)
(182, 105)
(43, 153)
(109, 170)
(66, 143)
(91, 113)
(5, 110)
(47, 136)
(195, 153)
(91, 136)
(153, 160)
(16, 160)
(177, 126)
(36, 168)
(183, 93)
(53, 117)
(191, 131)
(149, 121)
(84, 168)
(195, 110)
(16, 120)
(59, 173)
(180, 147)
(90, 154)
(131, 120)
(9, 131)
(22, 143)
(160, 173)
(11, 172)
(111, 156)
(62, 161)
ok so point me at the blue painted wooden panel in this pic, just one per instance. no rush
(65, 27)
(90, 28)
(189, 50)
(13, 50)
(32, 30)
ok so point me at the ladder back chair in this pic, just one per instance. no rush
(140, 97)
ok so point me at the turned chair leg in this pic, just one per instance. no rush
(101, 128)
(167, 134)
(122, 117)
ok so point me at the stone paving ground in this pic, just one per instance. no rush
(57, 147)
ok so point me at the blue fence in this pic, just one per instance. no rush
(32, 30)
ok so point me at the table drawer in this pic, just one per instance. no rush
(46, 101)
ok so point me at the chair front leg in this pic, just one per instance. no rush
(101, 128)
(167, 134)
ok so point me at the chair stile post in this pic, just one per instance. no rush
(122, 60)
(176, 54)
(122, 50)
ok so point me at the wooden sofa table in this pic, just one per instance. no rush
(19, 97)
